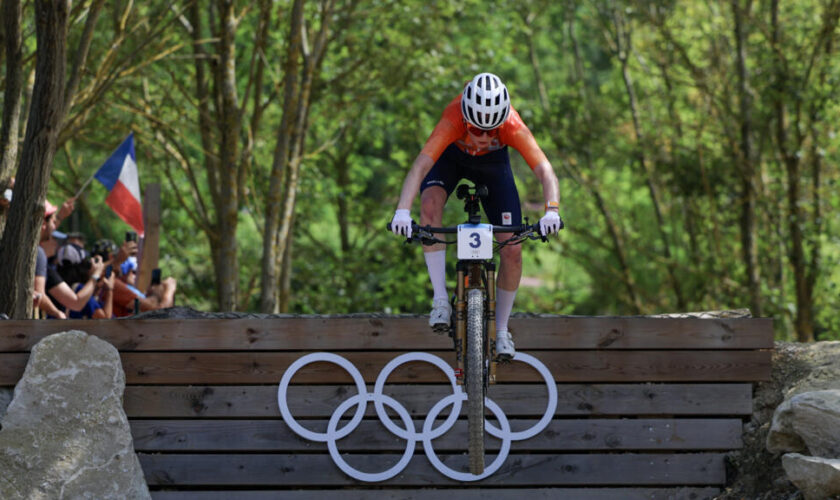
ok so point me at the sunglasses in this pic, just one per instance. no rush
(480, 132)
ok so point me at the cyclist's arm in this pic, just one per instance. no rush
(411, 185)
(551, 186)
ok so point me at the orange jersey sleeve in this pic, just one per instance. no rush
(449, 129)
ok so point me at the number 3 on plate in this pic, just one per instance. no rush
(475, 241)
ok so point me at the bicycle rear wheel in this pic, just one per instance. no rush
(475, 379)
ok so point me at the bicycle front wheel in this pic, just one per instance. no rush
(475, 379)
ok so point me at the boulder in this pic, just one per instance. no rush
(817, 478)
(5, 399)
(807, 422)
(65, 434)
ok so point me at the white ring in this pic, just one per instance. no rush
(407, 358)
(466, 476)
(284, 405)
(550, 409)
(367, 476)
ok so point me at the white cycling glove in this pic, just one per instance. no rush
(401, 223)
(550, 223)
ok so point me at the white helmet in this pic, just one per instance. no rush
(485, 103)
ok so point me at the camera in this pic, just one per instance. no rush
(105, 249)
(130, 236)
(155, 276)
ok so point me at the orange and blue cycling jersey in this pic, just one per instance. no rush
(451, 129)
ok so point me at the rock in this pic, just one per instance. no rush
(817, 478)
(782, 437)
(65, 434)
(807, 422)
(5, 399)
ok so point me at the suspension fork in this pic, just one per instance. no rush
(460, 322)
(490, 326)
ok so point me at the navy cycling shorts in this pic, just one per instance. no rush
(502, 205)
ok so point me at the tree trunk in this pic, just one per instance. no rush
(227, 269)
(284, 297)
(803, 321)
(288, 155)
(10, 129)
(17, 250)
(280, 172)
(746, 161)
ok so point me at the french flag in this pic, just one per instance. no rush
(119, 175)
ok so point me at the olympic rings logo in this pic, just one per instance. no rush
(429, 432)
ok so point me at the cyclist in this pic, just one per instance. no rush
(470, 141)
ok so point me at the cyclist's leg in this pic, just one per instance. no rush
(434, 191)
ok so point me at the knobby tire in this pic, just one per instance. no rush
(475, 379)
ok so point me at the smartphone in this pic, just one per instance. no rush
(155, 277)
(130, 236)
(108, 270)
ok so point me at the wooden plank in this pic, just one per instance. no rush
(371, 436)
(625, 469)
(378, 333)
(438, 493)
(565, 366)
(527, 399)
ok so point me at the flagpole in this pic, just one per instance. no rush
(85, 185)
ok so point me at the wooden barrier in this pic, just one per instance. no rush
(646, 407)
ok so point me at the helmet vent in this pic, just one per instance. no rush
(485, 102)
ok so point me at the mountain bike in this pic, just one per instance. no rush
(473, 326)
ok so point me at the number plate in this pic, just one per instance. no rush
(475, 241)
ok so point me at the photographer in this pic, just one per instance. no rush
(78, 267)
(159, 295)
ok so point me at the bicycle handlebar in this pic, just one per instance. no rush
(425, 234)
(524, 228)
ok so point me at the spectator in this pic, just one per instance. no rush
(76, 238)
(46, 277)
(75, 265)
(49, 280)
(126, 293)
